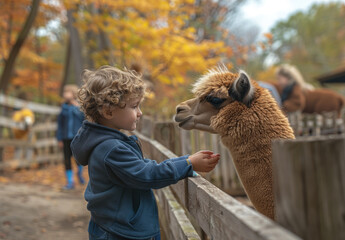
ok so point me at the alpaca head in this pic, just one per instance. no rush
(214, 92)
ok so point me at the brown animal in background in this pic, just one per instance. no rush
(247, 118)
(297, 94)
(312, 101)
(323, 100)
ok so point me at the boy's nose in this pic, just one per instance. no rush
(139, 113)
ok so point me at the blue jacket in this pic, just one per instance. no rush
(119, 192)
(70, 120)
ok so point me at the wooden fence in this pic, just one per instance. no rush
(309, 177)
(196, 209)
(317, 124)
(39, 147)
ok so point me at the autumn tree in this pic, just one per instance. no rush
(10, 61)
(38, 63)
(160, 36)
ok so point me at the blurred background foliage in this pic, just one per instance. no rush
(171, 43)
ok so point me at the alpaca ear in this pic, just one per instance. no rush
(242, 90)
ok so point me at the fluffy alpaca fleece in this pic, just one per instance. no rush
(247, 122)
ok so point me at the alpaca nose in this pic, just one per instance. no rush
(180, 109)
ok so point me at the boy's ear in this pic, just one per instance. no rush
(242, 89)
(106, 112)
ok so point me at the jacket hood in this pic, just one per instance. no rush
(89, 136)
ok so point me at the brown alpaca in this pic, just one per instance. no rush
(247, 118)
(323, 100)
(312, 101)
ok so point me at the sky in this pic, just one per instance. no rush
(265, 13)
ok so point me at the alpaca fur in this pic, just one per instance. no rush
(246, 130)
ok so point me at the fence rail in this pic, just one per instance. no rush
(12, 102)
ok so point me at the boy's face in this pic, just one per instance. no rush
(125, 118)
(68, 95)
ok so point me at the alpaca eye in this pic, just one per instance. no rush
(216, 102)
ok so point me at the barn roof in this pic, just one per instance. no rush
(337, 76)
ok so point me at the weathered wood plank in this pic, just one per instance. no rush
(8, 122)
(178, 223)
(15, 143)
(35, 107)
(25, 163)
(44, 127)
(310, 186)
(218, 214)
(26, 144)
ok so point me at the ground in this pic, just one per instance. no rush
(33, 206)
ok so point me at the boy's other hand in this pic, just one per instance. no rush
(60, 143)
(74, 102)
(204, 161)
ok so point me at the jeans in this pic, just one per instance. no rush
(98, 233)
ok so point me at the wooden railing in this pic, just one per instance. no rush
(40, 145)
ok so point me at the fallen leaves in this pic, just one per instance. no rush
(51, 175)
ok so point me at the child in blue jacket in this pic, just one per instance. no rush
(70, 120)
(119, 192)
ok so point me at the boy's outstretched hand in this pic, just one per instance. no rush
(204, 161)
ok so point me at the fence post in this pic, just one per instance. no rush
(166, 133)
(145, 126)
(309, 186)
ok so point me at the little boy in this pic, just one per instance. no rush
(119, 192)
(70, 120)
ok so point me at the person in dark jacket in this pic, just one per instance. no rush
(70, 120)
(119, 192)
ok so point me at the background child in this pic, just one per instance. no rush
(70, 120)
(119, 194)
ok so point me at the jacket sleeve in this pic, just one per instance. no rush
(135, 172)
(59, 128)
(296, 100)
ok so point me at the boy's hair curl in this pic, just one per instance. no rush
(108, 87)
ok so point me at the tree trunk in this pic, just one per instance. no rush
(10, 62)
(91, 39)
(40, 69)
(66, 67)
(75, 48)
(104, 42)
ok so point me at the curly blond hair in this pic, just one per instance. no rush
(108, 87)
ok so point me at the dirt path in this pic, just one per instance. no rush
(32, 206)
(39, 212)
